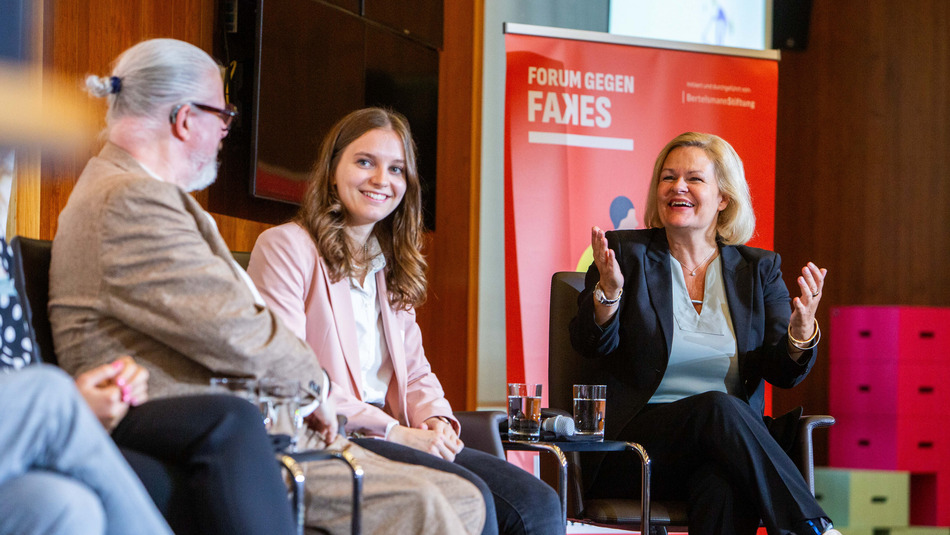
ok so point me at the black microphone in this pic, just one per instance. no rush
(561, 426)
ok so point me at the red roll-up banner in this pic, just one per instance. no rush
(584, 121)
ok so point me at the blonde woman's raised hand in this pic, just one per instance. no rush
(611, 279)
(811, 282)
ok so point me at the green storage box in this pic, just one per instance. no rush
(864, 498)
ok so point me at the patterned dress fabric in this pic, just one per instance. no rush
(17, 345)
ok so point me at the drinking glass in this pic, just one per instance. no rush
(280, 402)
(524, 410)
(590, 403)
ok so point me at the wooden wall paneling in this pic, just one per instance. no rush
(449, 318)
(25, 201)
(862, 167)
(239, 234)
(83, 37)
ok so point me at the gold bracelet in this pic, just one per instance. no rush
(802, 344)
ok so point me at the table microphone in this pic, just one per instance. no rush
(561, 426)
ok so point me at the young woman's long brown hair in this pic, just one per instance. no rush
(400, 235)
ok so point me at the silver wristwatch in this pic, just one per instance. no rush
(602, 299)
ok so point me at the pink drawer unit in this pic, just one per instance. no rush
(925, 334)
(864, 332)
(875, 387)
(862, 441)
(858, 387)
(889, 442)
(923, 389)
(890, 332)
(922, 444)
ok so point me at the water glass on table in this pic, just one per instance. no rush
(590, 404)
(280, 404)
(524, 411)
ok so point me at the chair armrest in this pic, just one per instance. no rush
(805, 451)
(480, 430)
(291, 463)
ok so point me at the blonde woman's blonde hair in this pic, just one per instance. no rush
(736, 222)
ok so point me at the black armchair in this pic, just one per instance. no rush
(566, 368)
(242, 258)
(30, 272)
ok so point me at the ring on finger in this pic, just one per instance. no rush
(815, 293)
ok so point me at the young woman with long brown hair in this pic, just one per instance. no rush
(346, 275)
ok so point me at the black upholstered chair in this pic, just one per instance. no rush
(566, 368)
(242, 258)
(31, 278)
(480, 430)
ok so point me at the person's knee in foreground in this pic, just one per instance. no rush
(47, 503)
(346, 276)
(138, 265)
(59, 471)
(700, 322)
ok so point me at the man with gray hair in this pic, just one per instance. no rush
(139, 268)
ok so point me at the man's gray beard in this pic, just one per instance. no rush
(206, 176)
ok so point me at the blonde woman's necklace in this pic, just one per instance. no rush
(692, 272)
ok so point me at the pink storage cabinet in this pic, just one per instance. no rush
(889, 380)
(912, 388)
(885, 333)
(889, 442)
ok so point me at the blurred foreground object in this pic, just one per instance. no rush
(42, 111)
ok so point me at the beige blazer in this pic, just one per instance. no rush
(293, 280)
(139, 268)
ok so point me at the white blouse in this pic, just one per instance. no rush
(703, 357)
(376, 366)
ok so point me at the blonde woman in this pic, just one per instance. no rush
(688, 324)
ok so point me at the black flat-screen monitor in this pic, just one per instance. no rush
(295, 67)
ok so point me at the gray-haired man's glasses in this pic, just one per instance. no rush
(226, 115)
